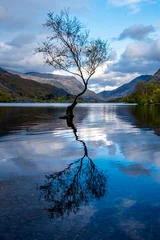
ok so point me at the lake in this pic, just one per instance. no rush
(97, 177)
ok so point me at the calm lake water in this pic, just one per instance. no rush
(96, 178)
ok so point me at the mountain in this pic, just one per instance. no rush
(67, 83)
(146, 93)
(123, 90)
(155, 78)
(13, 88)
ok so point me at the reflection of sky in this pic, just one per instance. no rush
(130, 155)
(106, 135)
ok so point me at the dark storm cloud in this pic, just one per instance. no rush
(137, 32)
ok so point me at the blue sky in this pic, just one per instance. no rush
(132, 28)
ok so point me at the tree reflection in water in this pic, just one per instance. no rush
(75, 186)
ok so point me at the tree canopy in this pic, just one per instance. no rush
(145, 93)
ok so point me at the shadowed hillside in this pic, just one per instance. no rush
(68, 83)
(13, 88)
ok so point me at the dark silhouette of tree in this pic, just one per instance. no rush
(69, 48)
(74, 186)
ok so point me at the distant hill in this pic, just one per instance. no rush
(123, 90)
(67, 83)
(13, 88)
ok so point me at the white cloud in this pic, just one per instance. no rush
(134, 5)
(106, 79)
(140, 57)
(119, 3)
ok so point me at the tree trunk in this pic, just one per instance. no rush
(69, 111)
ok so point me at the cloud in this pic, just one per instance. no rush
(17, 53)
(140, 57)
(3, 14)
(137, 32)
(22, 39)
(21, 57)
(134, 5)
(10, 20)
(109, 80)
(120, 3)
(31, 14)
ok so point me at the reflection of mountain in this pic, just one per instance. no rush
(142, 116)
(68, 190)
(34, 119)
(139, 145)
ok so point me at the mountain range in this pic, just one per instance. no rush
(123, 90)
(34, 86)
(128, 88)
(13, 88)
(68, 83)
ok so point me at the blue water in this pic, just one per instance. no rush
(95, 178)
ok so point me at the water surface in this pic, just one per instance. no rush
(95, 178)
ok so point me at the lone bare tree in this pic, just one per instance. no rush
(69, 48)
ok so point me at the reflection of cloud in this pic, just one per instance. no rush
(132, 228)
(94, 135)
(157, 177)
(112, 150)
(30, 153)
(124, 203)
(128, 225)
(134, 170)
(107, 130)
(112, 125)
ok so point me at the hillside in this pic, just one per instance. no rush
(14, 88)
(123, 90)
(67, 83)
(146, 92)
(155, 78)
